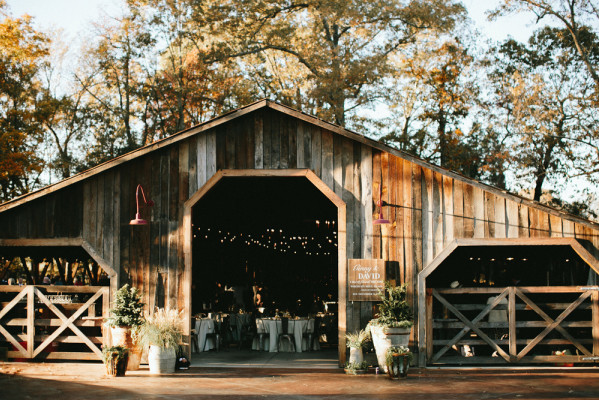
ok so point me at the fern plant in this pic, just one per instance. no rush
(128, 308)
(394, 310)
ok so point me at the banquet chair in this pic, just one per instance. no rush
(247, 333)
(260, 333)
(194, 342)
(308, 334)
(314, 334)
(214, 336)
(284, 334)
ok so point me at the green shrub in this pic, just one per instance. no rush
(128, 308)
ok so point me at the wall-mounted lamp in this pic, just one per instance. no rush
(380, 220)
(138, 220)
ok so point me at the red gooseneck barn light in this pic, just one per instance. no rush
(138, 220)
(380, 220)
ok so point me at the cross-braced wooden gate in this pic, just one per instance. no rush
(36, 320)
(512, 325)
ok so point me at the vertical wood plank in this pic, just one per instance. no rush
(399, 217)
(417, 233)
(316, 152)
(366, 200)
(595, 321)
(533, 215)
(478, 203)
(544, 229)
(30, 320)
(100, 214)
(458, 209)
(292, 143)
(376, 188)
(221, 148)
(568, 228)
(556, 225)
(512, 218)
(266, 138)
(230, 133)
(407, 223)
(116, 225)
(500, 224)
(338, 164)
(513, 350)
(275, 140)
(489, 215)
(258, 141)
(392, 209)
(448, 211)
(523, 221)
(427, 217)
(284, 129)
(210, 155)
(437, 215)
(385, 196)
(192, 166)
(202, 161)
(327, 159)
(300, 140)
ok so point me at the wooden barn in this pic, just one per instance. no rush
(269, 196)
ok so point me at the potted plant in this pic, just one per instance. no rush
(162, 332)
(356, 368)
(355, 342)
(397, 360)
(126, 318)
(116, 359)
(393, 323)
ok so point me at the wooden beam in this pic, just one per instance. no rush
(54, 242)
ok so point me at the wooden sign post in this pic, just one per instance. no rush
(366, 279)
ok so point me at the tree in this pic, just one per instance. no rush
(22, 53)
(543, 99)
(435, 91)
(576, 16)
(343, 46)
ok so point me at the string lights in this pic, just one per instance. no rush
(322, 244)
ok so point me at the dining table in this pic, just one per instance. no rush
(203, 327)
(271, 327)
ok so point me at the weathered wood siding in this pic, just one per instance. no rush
(428, 206)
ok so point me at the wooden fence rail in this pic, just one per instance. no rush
(53, 322)
(531, 325)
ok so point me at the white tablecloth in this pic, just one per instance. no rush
(273, 327)
(204, 326)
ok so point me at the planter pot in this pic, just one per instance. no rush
(161, 361)
(117, 366)
(356, 355)
(121, 336)
(398, 368)
(383, 338)
(350, 371)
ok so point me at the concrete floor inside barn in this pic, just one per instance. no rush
(70, 380)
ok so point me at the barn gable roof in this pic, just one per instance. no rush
(265, 103)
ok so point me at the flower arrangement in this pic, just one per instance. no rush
(162, 329)
(358, 339)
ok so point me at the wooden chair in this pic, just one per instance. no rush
(284, 334)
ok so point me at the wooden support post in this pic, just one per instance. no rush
(512, 323)
(429, 325)
(107, 339)
(595, 312)
(30, 320)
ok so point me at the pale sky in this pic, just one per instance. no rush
(75, 16)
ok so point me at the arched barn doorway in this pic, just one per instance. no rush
(510, 301)
(265, 257)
